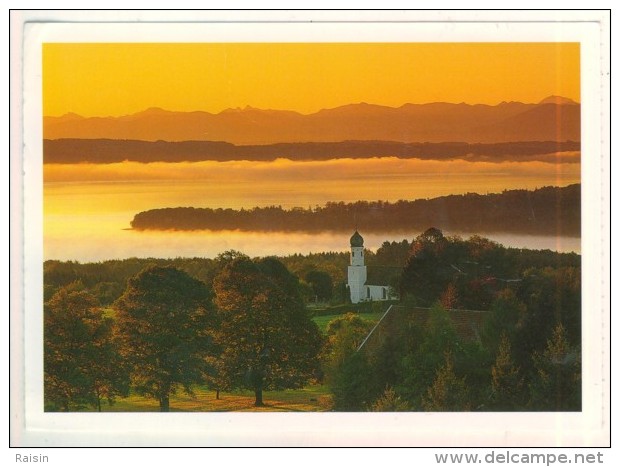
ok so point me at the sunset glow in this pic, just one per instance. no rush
(90, 205)
(120, 79)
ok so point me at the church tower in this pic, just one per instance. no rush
(357, 269)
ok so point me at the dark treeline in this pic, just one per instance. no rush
(69, 151)
(524, 353)
(106, 280)
(548, 211)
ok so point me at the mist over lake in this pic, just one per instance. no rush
(88, 207)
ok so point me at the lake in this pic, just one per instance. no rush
(88, 207)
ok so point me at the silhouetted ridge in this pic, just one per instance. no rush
(433, 122)
(68, 151)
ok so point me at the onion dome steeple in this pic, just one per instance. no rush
(357, 240)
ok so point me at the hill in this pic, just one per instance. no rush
(69, 151)
(553, 119)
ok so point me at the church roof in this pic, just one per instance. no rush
(382, 275)
(467, 323)
(357, 239)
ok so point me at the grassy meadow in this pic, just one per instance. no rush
(314, 398)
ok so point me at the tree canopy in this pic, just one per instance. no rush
(267, 336)
(166, 324)
(539, 211)
(81, 363)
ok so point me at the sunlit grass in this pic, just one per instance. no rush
(323, 321)
(315, 398)
(108, 312)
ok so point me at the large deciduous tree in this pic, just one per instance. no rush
(427, 271)
(166, 321)
(321, 283)
(82, 364)
(267, 336)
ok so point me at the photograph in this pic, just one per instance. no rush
(205, 207)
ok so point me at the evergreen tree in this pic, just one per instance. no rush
(447, 393)
(502, 320)
(506, 382)
(352, 384)
(348, 373)
(420, 367)
(390, 402)
(556, 385)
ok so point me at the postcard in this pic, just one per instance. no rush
(349, 229)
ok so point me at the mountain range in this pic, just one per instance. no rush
(552, 119)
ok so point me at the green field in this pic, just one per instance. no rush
(314, 398)
(323, 321)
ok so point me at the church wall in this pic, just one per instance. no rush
(357, 278)
(377, 292)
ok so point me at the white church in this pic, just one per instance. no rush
(360, 291)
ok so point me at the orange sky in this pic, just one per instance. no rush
(120, 79)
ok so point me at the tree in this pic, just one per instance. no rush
(82, 364)
(552, 296)
(557, 383)
(449, 297)
(166, 323)
(448, 393)
(390, 402)
(506, 379)
(502, 320)
(428, 269)
(344, 336)
(352, 383)
(419, 368)
(267, 336)
(347, 372)
(321, 283)
(393, 253)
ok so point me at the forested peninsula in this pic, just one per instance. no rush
(107, 151)
(544, 211)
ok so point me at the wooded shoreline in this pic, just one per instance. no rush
(548, 210)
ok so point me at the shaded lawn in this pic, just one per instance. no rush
(315, 398)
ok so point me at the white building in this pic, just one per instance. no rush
(360, 291)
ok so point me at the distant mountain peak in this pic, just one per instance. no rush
(153, 111)
(558, 100)
(247, 108)
(68, 116)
